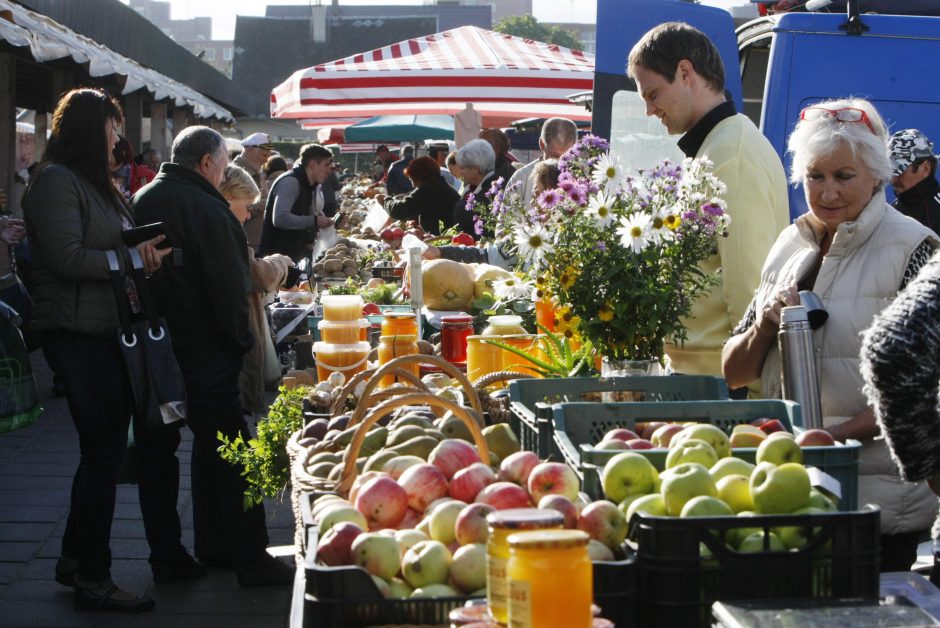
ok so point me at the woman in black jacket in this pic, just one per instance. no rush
(430, 203)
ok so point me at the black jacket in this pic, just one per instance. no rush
(204, 294)
(922, 203)
(292, 243)
(430, 204)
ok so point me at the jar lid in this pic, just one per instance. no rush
(548, 539)
(399, 338)
(393, 314)
(524, 518)
(456, 318)
(505, 319)
(470, 614)
(480, 337)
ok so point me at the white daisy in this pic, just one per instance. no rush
(533, 243)
(607, 173)
(600, 208)
(634, 231)
(658, 227)
(511, 288)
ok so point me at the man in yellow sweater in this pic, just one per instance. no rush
(679, 73)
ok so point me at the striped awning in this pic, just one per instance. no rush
(504, 77)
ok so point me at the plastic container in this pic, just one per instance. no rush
(344, 332)
(685, 565)
(530, 400)
(504, 325)
(482, 359)
(347, 359)
(341, 307)
(537, 599)
(391, 347)
(399, 324)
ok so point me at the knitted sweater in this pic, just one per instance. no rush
(902, 375)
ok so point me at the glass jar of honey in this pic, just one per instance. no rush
(501, 525)
(455, 330)
(391, 347)
(482, 358)
(528, 343)
(538, 594)
(399, 324)
(503, 325)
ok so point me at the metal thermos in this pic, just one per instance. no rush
(800, 379)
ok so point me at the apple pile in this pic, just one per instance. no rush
(659, 434)
(702, 480)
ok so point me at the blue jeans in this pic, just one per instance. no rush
(224, 531)
(99, 397)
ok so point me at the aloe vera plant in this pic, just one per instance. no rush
(561, 358)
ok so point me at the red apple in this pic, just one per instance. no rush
(640, 443)
(772, 425)
(423, 483)
(383, 502)
(649, 428)
(620, 433)
(604, 522)
(563, 505)
(503, 495)
(397, 233)
(452, 454)
(516, 467)
(466, 483)
(360, 481)
(471, 524)
(371, 309)
(815, 438)
(387, 234)
(333, 548)
(553, 477)
(411, 520)
(664, 434)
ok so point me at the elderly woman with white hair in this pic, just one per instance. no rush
(856, 252)
(477, 161)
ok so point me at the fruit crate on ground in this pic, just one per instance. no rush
(347, 597)
(615, 588)
(580, 426)
(531, 400)
(685, 564)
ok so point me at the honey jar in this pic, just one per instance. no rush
(399, 324)
(391, 347)
(482, 358)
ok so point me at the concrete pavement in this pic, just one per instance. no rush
(36, 468)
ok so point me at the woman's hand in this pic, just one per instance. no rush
(151, 255)
(12, 230)
(380, 199)
(768, 322)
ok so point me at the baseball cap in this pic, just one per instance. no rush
(260, 140)
(906, 147)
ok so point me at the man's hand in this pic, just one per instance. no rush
(12, 230)
(324, 221)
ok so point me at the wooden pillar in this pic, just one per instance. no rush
(180, 120)
(7, 121)
(158, 128)
(133, 113)
(42, 126)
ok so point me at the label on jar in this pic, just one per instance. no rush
(496, 584)
(520, 604)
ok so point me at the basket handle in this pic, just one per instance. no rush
(499, 376)
(419, 358)
(354, 381)
(349, 464)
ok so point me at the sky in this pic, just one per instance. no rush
(223, 12)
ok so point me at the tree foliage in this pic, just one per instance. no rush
(528, 27)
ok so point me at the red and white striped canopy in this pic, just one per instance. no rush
(505, 77)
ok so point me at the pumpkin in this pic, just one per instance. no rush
(484, 273)
(446, 285)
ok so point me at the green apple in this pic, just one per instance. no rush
(731, 466)
(626, 474)
(755, 543)
(706, 506)
(426, 563)
(711, 434)
(434, 590)
(818, 499)
(779, 490)
(691, 450)
(399, 588)
(648, 504)
(684, 482)
(734, 536)
(444, 521)
(376, 553)
(797, 537)
(626, 502)
(468, 571)
(779, 450)
(735, 490)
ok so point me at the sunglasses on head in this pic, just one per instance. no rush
(848, 115)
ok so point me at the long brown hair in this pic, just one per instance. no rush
(78, 138)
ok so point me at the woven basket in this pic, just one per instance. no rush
(498, 408)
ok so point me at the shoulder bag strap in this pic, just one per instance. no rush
(120, 299)
(149, 308)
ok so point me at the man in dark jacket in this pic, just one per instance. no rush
(296, 208)
(914, 177)
(396, 182)
(203, 296)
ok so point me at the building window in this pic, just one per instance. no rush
(227, 54)
(210, 54)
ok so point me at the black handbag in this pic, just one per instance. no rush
(159, 391)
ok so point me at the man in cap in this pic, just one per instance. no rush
(256, 148)
(914, 170)
(396, 182)
(383, 159)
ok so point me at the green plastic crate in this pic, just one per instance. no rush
(531, 400)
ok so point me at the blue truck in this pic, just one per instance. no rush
(789, 60)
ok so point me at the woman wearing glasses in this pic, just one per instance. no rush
(856, 252)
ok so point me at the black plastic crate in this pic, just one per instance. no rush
(684, 565)
(615, 588)
(531, 400)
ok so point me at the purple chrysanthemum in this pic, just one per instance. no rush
(549, 198)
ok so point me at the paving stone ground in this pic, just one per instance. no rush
(36, 468)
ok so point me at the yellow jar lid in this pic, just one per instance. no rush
(524, 519)
(548, 539)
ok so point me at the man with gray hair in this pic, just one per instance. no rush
(557, 136)
(204, 297)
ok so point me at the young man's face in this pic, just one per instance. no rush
(672, 102)
(318, 171)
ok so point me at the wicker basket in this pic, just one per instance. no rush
(497, 408)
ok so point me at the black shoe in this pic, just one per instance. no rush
(265, 572)
(185, 568)
(65, 575)
(87, 600)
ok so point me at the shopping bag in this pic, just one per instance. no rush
(19, 399)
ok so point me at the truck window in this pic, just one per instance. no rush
(754, 59)
(638, 140)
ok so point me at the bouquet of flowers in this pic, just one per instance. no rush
(620, 253)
